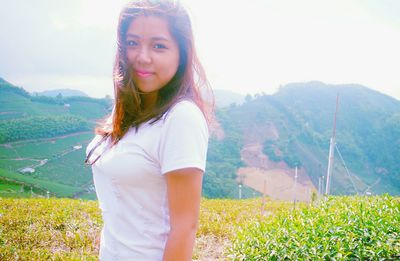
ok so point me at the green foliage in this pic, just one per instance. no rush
(338, 228)
(40, 127)
(64, 172)
(15, 106)
(41, 185)
(366, 132)
(106, 102)
(89, 110)
(65, 229)
(68, 169)
(15, 102)
(47, 99)
(301, 114)
(270, 149)
(223, 217)
(286, 151)
(8, 87)
(385, 151)
(48, 229)
(60, 100)
(223, 159)
(13, 189)
(45, 148)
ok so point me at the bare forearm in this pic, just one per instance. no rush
(180, 245)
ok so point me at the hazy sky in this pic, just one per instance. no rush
(245, 46)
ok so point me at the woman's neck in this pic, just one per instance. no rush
(149, 100)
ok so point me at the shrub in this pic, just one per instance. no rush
(338, 228)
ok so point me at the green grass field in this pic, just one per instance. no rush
(15, 106)
(45, 148)
(15, 165)
(59, 168)
(337, 228)
(9, 189)
(18, 105)
(42, 185)
(12, 189)
(88, 110)
(64, 167)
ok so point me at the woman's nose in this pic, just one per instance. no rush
(144, 56)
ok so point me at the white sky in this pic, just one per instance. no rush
(245, 46)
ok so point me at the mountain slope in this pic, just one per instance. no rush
(265, 135)
(15, 102)
(302, 114)
(43, 141)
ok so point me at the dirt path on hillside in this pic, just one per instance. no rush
(278, 177)
(8, 145)
(42, 162)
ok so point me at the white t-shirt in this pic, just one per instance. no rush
(131, 185)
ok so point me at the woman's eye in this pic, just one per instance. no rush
(131, 43)
(160, 46)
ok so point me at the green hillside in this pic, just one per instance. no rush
(367, 129)
(294, 126)
(37, 128)
(15, 102)
(368, 133)
(48, 135)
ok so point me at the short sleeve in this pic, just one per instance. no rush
(97, 138)
(93, 143)
(184, 139)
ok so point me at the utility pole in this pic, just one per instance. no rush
(241, 178)
(263, 198)
(319, 186)
(294, 188)
(332, 151)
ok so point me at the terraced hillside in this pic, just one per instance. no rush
(42, 141)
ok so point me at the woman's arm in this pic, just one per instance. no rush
(184, 195)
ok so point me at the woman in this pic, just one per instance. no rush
(148, 159)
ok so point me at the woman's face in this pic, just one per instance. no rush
(152, 53)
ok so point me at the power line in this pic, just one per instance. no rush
(347, 171)
(332, 150)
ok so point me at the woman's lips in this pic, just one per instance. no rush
(143, 74)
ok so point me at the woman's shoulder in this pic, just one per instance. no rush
(185, 109)
(187, 106)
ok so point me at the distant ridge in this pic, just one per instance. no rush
(327, 87)
(225, 98)
(63, 92)
(2, 81)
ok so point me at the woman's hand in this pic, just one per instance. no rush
(184, 195)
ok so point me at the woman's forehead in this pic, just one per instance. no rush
(153, 27)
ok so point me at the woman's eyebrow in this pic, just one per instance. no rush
(132, 35)
(160, 38)
(154, 38)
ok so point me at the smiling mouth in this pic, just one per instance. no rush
(143, 74)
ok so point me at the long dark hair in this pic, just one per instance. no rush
(189, 82)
